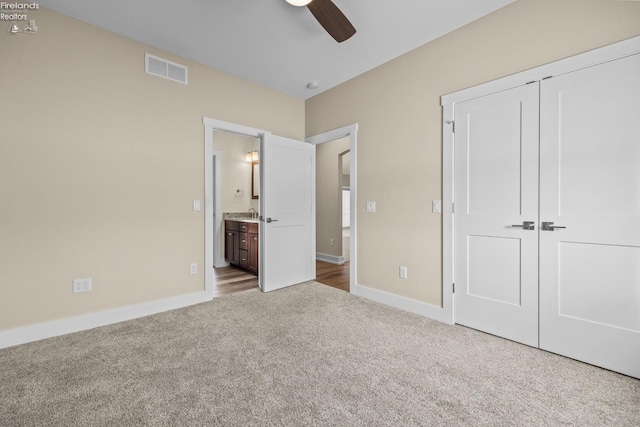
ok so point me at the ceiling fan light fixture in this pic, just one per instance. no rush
(298, 2)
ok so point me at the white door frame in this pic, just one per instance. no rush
(573, 63)
(218, 255)
(211, 125)
(343, 132)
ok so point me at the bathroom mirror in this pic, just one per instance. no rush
(255, 180)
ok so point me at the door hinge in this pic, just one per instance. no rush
(453, 125)
(453, 207)
(545, 78)
(453, 288)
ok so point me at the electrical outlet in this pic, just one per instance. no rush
(332, 242)
(82, 285)
(403, 272)
(194, 268)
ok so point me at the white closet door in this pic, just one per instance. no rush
(590, 184)
(496, 192)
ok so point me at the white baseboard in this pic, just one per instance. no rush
(332, 259)
(221, 262)
(93, 320)
(407, 304)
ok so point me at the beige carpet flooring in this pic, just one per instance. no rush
(309, 355)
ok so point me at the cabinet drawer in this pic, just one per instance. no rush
(242, 226)
(244, 258)
(243, 240)
(231, 225)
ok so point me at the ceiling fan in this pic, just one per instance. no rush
(329, 16)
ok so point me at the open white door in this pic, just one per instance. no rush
(287, 206)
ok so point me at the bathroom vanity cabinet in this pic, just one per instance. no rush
(241, 244)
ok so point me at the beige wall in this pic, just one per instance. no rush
(329, 196)
(397, 106)
(99, 164)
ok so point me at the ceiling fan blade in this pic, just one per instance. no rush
(332, 19)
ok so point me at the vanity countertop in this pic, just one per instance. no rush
(240, 217)
(254, 220)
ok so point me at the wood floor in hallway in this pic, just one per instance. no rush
(336, 276)
(229, 280)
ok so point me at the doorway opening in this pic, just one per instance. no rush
(233, 169)
(216, 190)
(284, 232)
(336, 207)
(232, 189)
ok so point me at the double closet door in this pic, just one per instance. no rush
(547, 214)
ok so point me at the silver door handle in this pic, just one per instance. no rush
(526, 225)
(548, 226)
(271, 220)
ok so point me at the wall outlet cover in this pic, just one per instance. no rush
(82, 285)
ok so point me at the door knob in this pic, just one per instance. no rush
(526, 225)
(271, 220)
(548, 226)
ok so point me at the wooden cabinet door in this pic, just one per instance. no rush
(228, 245)
(231, 247)
(253, 253)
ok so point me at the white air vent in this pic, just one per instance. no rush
(167, 69)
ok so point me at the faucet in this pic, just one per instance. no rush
(253, 212)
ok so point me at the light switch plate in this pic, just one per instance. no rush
(371, 206)
(196, 205)
(436, 206)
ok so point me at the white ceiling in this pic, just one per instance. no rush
(275, 44)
